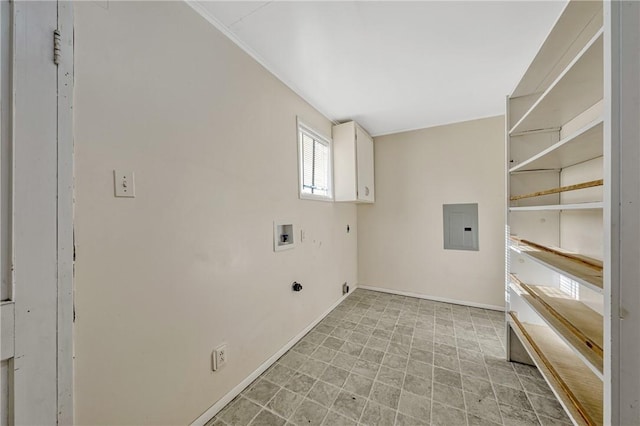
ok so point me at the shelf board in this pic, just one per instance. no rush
(596, 205)
(577, 388)
(578, 325)
(558, 190)
(521, 172)
(578, 87)
(583, 145)
(584, 270)
(562, 42)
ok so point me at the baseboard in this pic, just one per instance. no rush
(222, 402)
(434, 298)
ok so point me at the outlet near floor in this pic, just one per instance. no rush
(219, 357)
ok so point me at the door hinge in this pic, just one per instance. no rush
(56, 47)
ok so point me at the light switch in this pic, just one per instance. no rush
(124, 184)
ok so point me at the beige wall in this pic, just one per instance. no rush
(400, 242)
(188, 264)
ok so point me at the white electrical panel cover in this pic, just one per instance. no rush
(460, 226)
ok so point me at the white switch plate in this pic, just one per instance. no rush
(124, 184)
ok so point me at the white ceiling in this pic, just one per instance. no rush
(391, 65)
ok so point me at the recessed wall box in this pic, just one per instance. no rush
(283, 236)
(460, 226)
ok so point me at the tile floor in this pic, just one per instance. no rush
(381, 359)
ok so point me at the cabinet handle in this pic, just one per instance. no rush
(366, 190)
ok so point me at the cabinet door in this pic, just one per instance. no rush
(364, 153)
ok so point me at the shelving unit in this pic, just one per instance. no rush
(579, 326)
(583, 145)
(564, 99)
(555, 205)
(577, 388)
(584, 270)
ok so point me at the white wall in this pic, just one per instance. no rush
(400, 242)
(188, 264)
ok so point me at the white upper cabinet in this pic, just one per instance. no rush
(353, 163)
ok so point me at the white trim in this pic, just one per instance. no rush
(313, 197)
(7, 150)
(434, 298)
(7, 330)
(622, 213)
(611, 214)
(314, 132)
(222, 402)
(65, 215)
(35, 214)
(202, 11)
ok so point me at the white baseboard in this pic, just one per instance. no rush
(434, 298)
(222, 402)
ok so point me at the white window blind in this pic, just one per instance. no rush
(315, 164)
(570, 287)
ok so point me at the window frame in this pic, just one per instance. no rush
(301, 128)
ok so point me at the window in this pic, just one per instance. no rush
(315, 164)
(570, 287)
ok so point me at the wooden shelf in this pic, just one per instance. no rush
(578, 206)
(583, 145)
(577, 388)
(558, 190)
(579, 87)
(577, 324)
(584, 270)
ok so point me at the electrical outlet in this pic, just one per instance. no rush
(219, 357)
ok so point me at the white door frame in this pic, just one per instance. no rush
(66, 252)
(37, 320)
